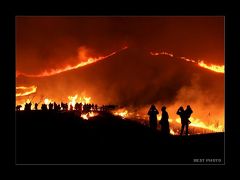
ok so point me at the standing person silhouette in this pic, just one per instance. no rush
(188, 111)
(182, 115)
(36, 106)
(185, 115)
(153, 117)
(164, 122)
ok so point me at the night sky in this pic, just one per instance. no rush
(50, 42)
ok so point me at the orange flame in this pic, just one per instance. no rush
(172, 132)
(68, 68)
(28, 90)
(189, 60)
(72, 100)
(212, 67)
(195, 122)
(121, 112)
(127, 113)
(47, 101)
(84, 116)
(84, 100)
(88, 115)
(161, 53)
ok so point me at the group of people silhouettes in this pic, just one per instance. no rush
(164, 123)
(184, 115)
(85, 108)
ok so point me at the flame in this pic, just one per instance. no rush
(84, 116)
(212, 67)
(195, 122)
(122, 112)
(172, 132)
(72, 100)
(68, 68)
(92, 114)
(27, 90)
(127, 113)
(47, 101)
(22, 107)
(87, 99)
(84, 100)
(88, 115)
(28, 101)
(161, 53)
(187, 59)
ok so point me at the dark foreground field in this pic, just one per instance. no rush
(65, 138)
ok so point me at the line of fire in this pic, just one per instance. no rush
(84, 106)
(120, 90)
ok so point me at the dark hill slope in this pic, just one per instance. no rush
(130, 77)
(56, 137)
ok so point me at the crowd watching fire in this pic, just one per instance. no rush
(86, 109)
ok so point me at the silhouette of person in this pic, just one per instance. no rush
(188, 113)
(80, 107)
(28, 106)
(18, 107)
(76, 106)
(36, 106)
(182, 115)
(64, 106)
(153, 117)
(164, 122)
(50, 106)
(55, 106)
(96, 107)
(185, 115)
(71, 107)
(25, 106)
(44, 107)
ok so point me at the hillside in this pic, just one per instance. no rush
(131, 77)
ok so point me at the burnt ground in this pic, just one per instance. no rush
(65, 138)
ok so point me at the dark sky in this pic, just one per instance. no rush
(50, 42)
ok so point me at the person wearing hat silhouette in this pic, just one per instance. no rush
(164, 122)
(153, 117)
